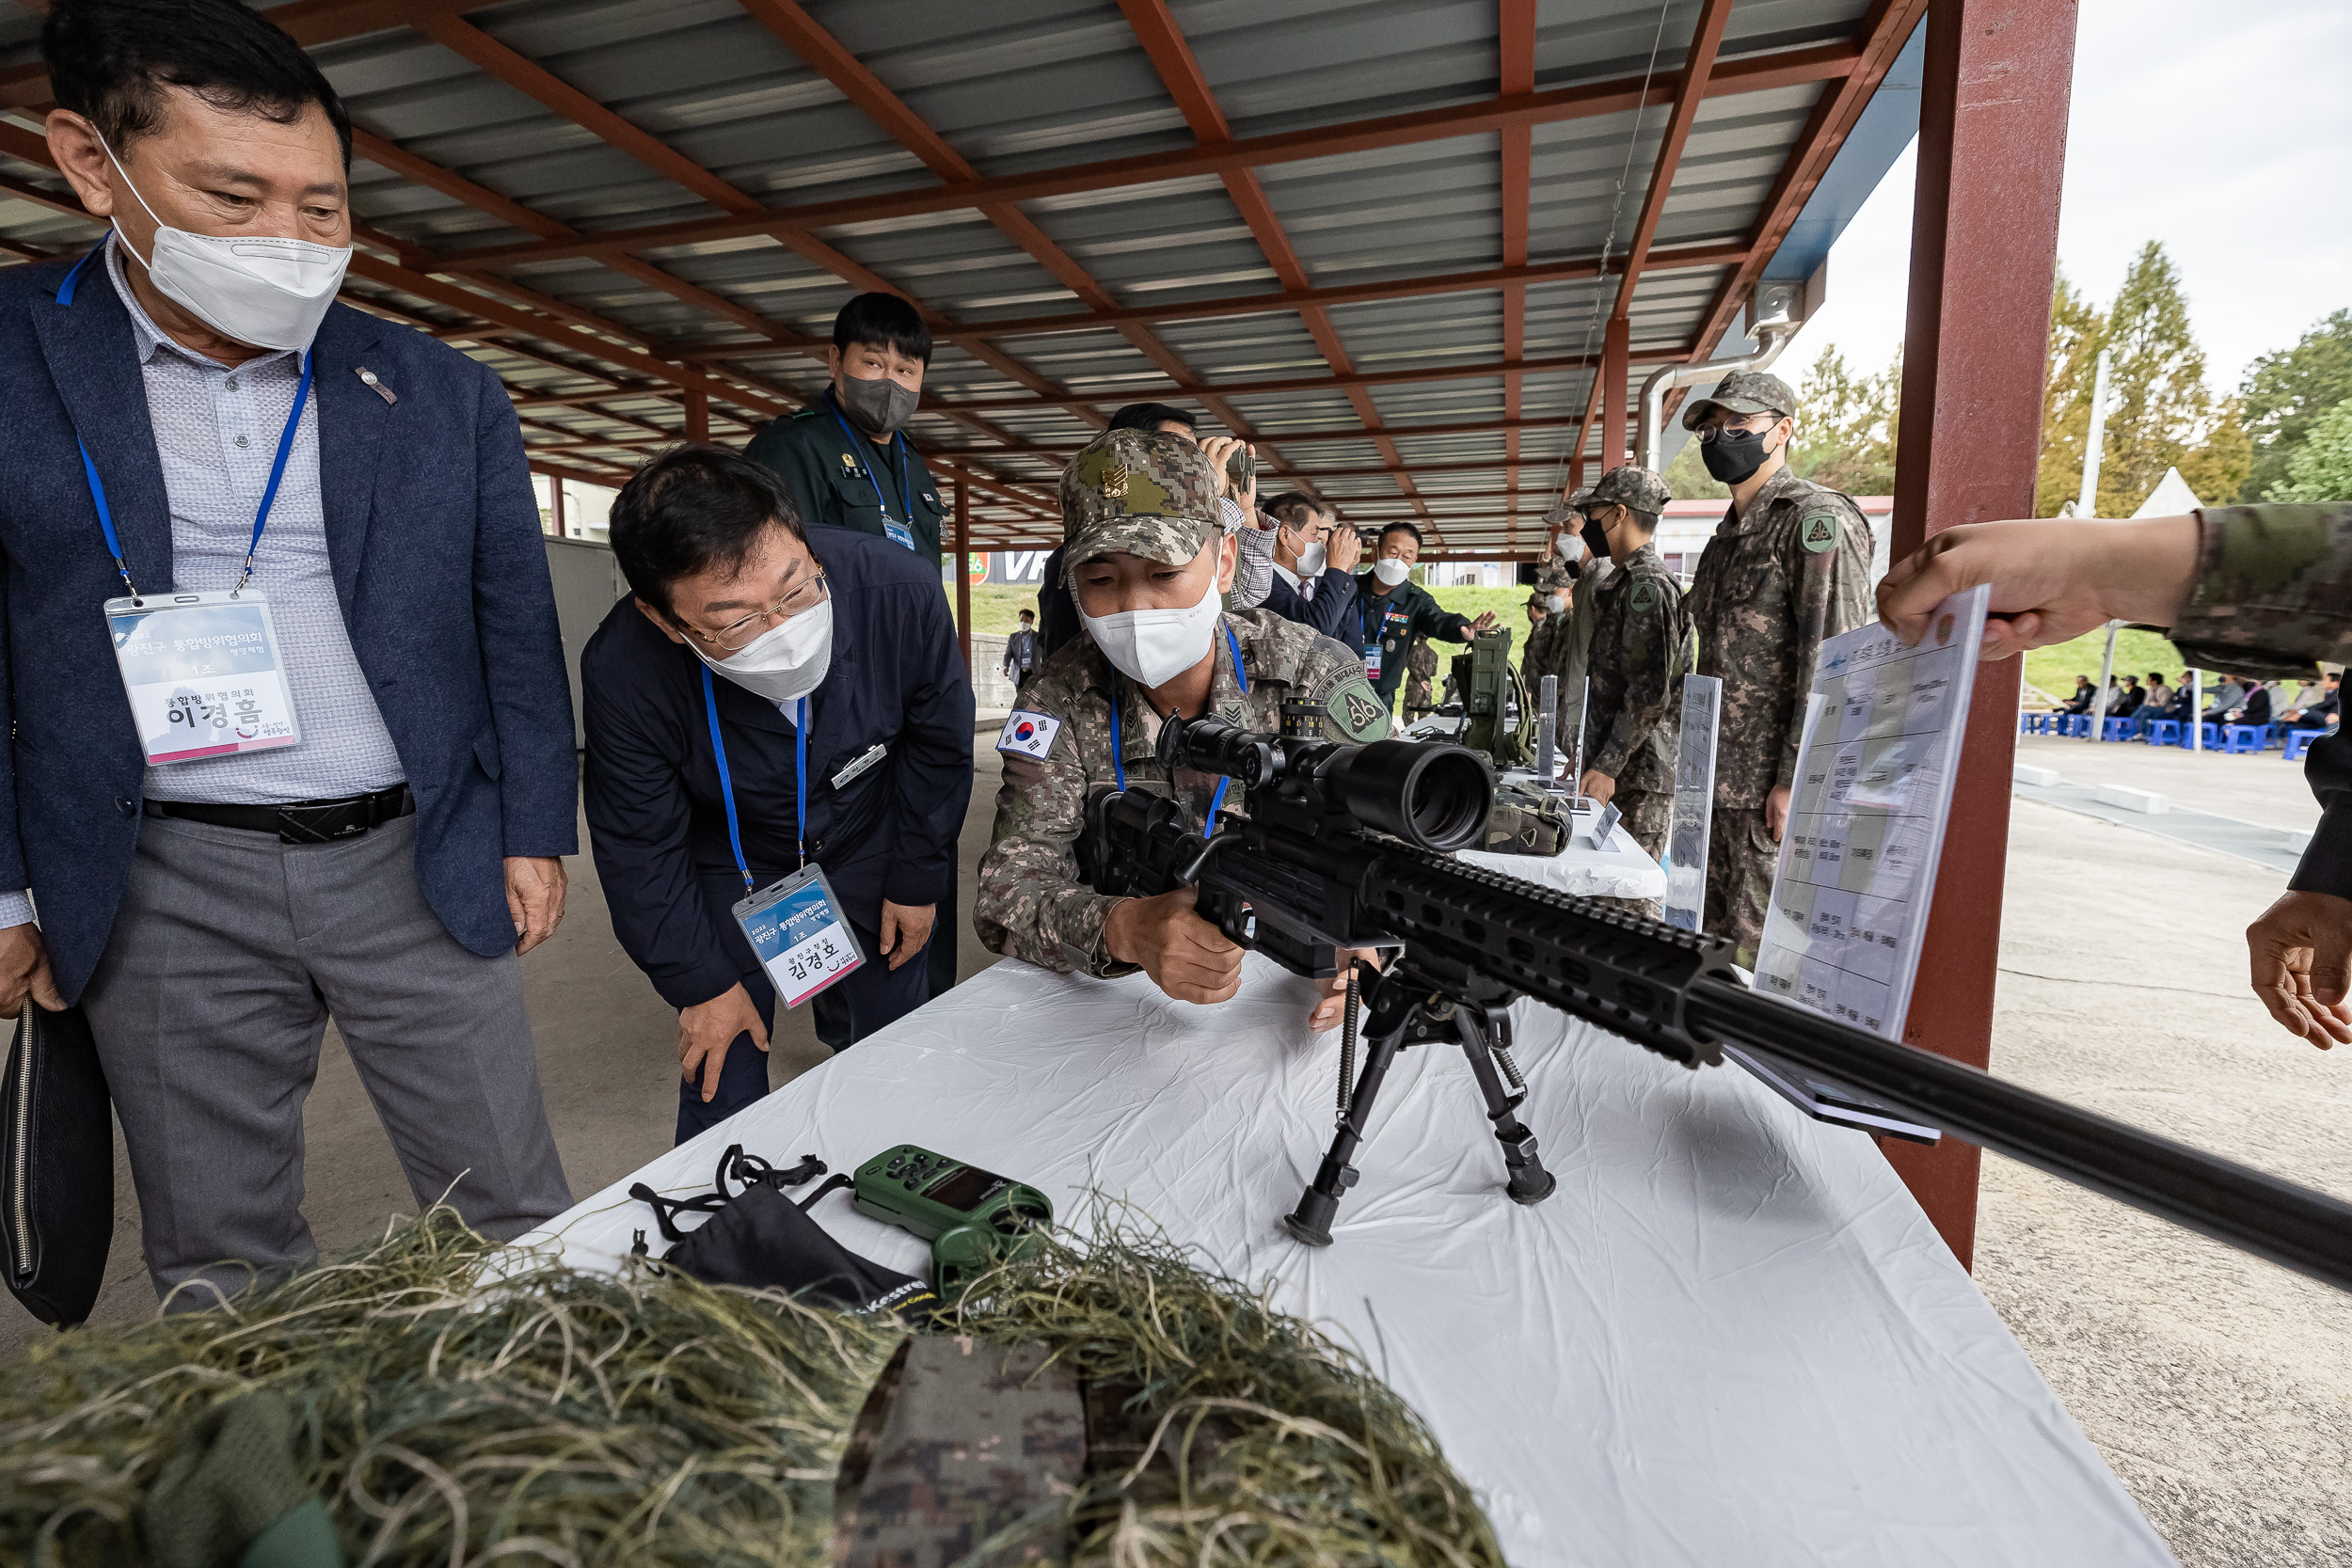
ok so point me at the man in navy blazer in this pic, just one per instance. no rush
(211, 916)
(759, 669)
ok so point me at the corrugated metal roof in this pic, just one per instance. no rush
(1395, 231)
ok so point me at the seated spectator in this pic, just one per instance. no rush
(2158, 703)
(2255, 709)
(2226, 701)
(2315, 706)
(2085, 694)
(2127, 698)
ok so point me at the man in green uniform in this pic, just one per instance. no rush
(1392, 609)
(1567, 566)
(1421, 678)
(846, 458)
(1788, 566)
(1640, 652)
(1141, 533)
(847, 463)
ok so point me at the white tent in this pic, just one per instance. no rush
(2169, 499)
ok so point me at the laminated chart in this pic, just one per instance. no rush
(1866, 825)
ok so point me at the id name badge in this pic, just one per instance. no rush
(203, 674)
(1372, 661)
(797, 930)
(898, 531)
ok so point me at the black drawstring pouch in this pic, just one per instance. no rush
(761, 1238)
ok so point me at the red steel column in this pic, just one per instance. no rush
(1615, 350)
(697, 414)
(1992, 150)
(964, 569)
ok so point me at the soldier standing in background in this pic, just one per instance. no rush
(1420, 674)
(1640, 652)
(1788, 566)
(1569, 565)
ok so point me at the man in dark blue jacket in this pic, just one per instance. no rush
(770, 698)
(329, 772)
(1309, 548)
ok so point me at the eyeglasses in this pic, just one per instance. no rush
(737, 635)
(1710, 431)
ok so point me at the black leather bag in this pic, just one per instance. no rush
(56, 1166)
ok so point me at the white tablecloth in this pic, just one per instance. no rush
(1729, 1337)
(1618, 869)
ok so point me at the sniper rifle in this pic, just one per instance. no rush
(1345, 851)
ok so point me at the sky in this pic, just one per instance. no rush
(2220, 127)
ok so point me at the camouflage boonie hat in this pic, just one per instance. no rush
(1143, 492)
(1635, 488)
(1742, 392)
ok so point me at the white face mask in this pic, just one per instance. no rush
(1555, 604)
(1153, 647)
(1388, 569)
(784, 663)
(1311, 561)
(257, 288)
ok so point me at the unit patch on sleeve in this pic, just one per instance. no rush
(1820, 531)
(1356, 710)
(1029, 734)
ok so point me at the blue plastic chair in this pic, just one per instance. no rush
(2164, 732)
(2116, 729)
(2238, 739)
(2210, 732)
(2298, 742)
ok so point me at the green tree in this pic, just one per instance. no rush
(2285, 391)
(2321, 468)
(2161, 408)
(2217, 470)
(1847, 424)
(2077, 332)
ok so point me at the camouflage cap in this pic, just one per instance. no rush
(1634, 488)
(1569, 510)
(1742, 392)
(1143, 492)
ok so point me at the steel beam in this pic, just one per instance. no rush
(1992, 154)
(1616, 343)
(1757, 72)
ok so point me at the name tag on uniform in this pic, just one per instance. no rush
(797, 930)
(898, 531)
(203, 674)
(1371, 660)
(1029, 735)
(860, 763)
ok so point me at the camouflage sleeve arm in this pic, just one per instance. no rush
(1030, 903)
(1833, 597)
(2273, 590)
(1648, 628)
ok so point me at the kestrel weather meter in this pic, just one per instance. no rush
(974, 1219)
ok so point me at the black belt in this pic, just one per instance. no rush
(302, 821)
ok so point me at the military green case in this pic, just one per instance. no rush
(974, 1219)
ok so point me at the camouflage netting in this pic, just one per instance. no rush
(562, 1416)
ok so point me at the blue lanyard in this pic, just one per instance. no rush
(277, 471)
(1118, 700)
(726, 783)
(897, 440)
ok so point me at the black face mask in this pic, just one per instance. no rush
(1734, 454)
(1596, 539)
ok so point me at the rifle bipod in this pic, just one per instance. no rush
(1410, 1007)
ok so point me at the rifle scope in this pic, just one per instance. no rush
(1431, 796)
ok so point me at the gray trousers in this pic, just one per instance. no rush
(229, 954)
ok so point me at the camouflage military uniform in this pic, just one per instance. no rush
(1030, 903)
(1795, 568)
(2273, 594)
(1152, 495)
(1421, 670)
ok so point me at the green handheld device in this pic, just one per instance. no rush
(974, 1219)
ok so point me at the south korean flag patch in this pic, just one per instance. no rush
(1029, 734)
